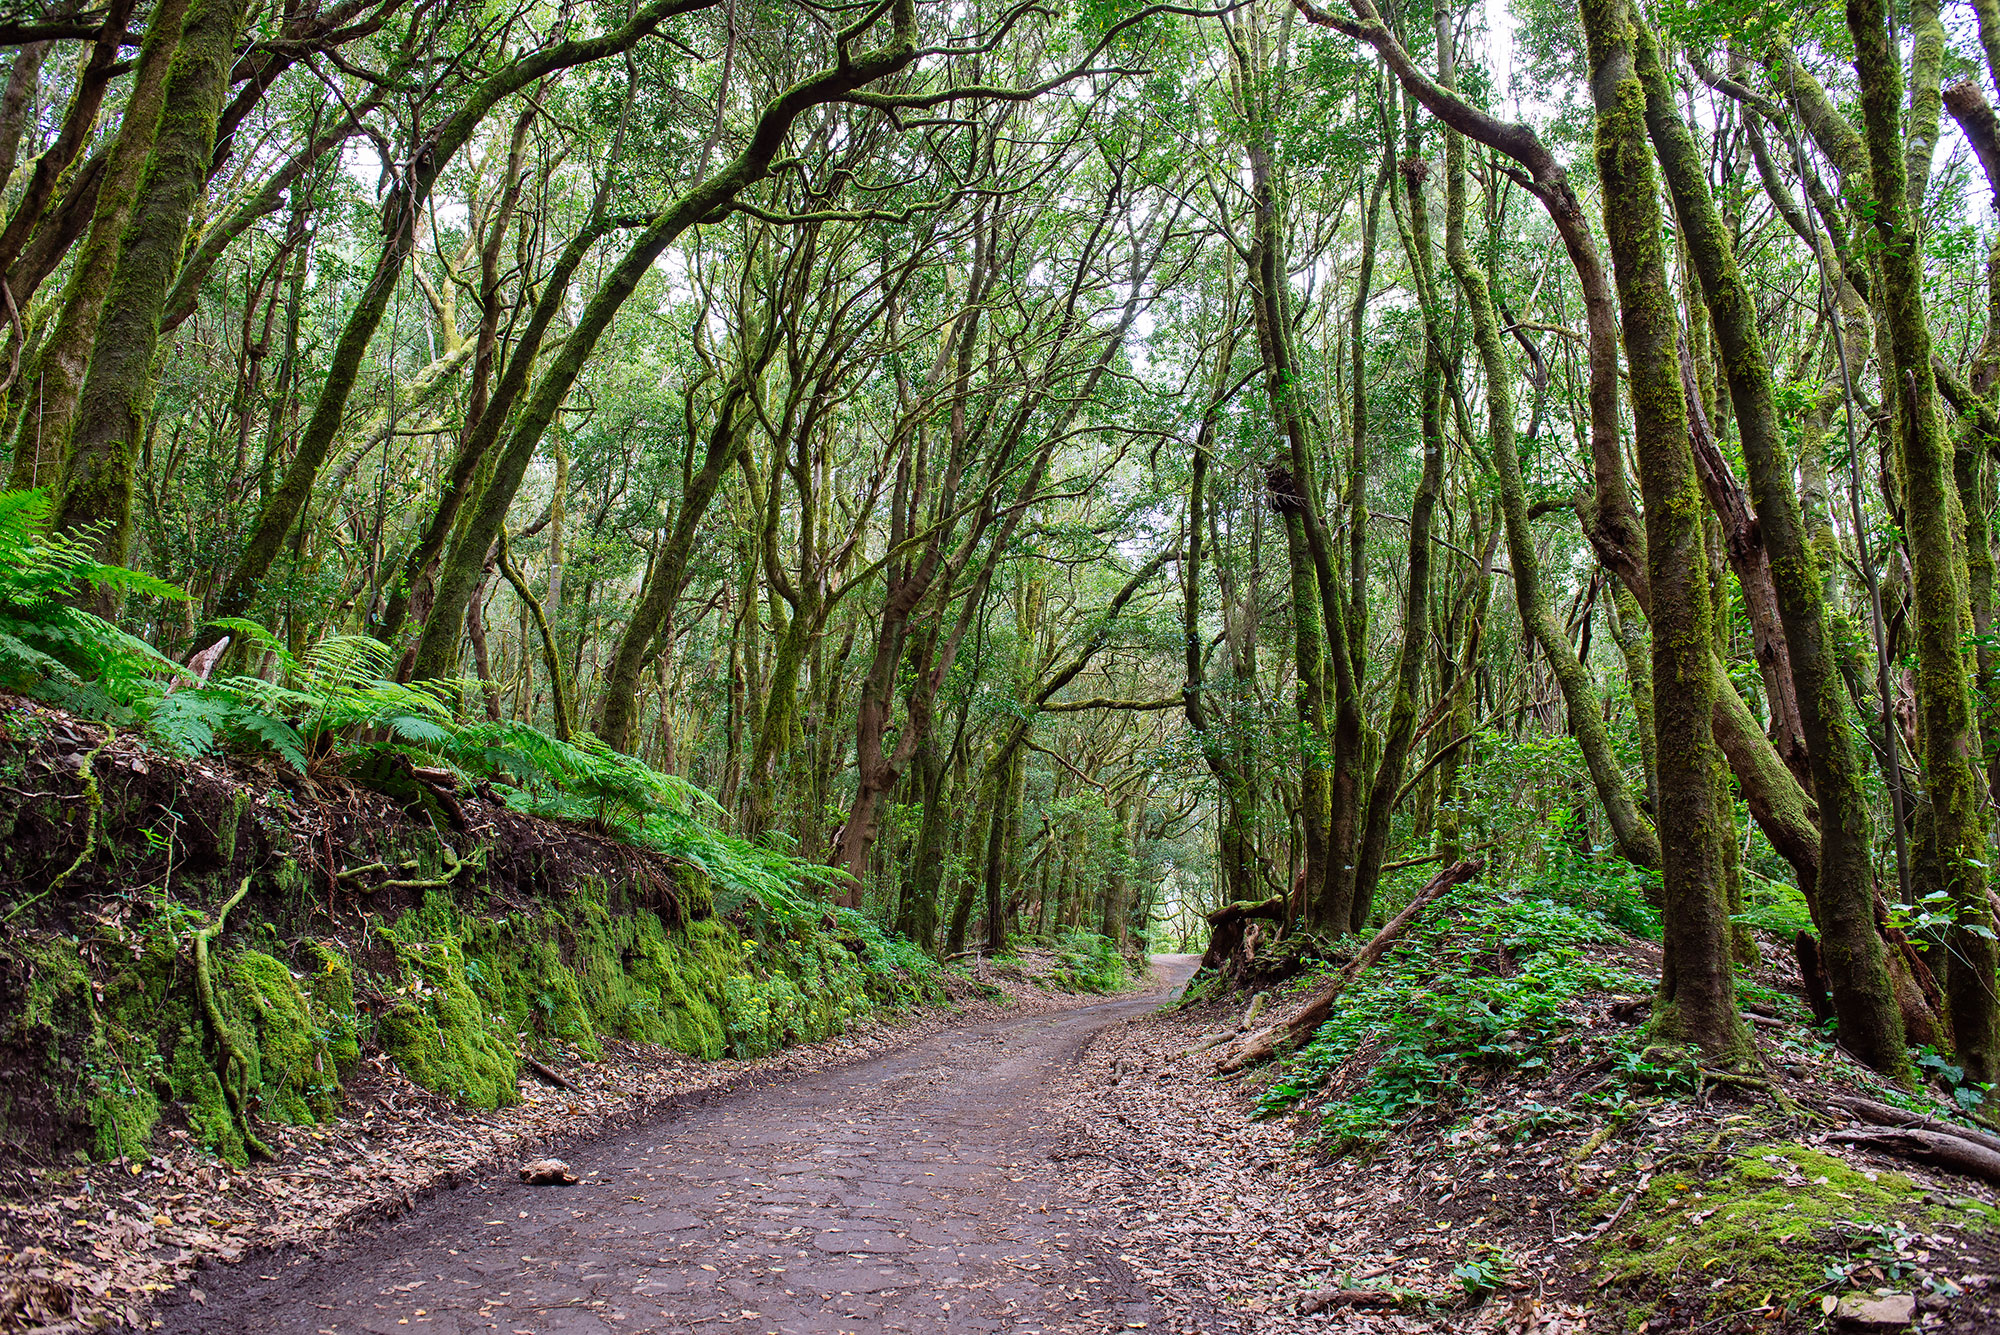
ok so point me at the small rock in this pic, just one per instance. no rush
(1866, 1312)
(547, 1173)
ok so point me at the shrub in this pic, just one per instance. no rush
(1087, 962)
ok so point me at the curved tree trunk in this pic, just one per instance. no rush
(1953, 845)
(1871, 1024)
(1697, 1000)
(117, 395)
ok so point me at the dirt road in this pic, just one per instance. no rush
(912, 1192)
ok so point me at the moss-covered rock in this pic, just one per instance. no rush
(125, 1048)
(1761, 1227)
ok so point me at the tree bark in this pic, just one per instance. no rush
(1697, 1000)
(1953, 843)
(117, 395)
(53, 375)
(1871, 1024)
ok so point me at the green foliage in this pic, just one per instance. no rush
(1483, 1274)
(1489, 985)
(1950, 1077)
(899, 972)
(1087, 962)
(1599, 883)
(322, 698)
(52, 649)
(1771, 903)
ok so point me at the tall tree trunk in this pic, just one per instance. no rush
(1635, 839)
(53, 374)
(1871, 1024)
(1697, 1001)
(666, 575)
(1416, 629)
(1953, 843)
(117, 396)
(1235, 838)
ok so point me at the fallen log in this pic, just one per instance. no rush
(1932, 1149)
(1325, 1299)
(1881, 1114)
(1264, 1044)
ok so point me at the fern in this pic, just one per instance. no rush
(322, 699)
(52, 649)
(337, 702)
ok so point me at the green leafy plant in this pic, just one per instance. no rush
(1088, 962)
(49, 647)
(1489, 985)
(1482, 1275)
(1967, 1094)
(328, 695)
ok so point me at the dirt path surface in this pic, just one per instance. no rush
(910, 1192)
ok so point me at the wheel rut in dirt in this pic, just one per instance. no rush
(910, 1192)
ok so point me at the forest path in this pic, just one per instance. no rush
(910, 1192)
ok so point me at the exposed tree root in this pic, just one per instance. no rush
(93, 805)
(1881, 1114)
(1933, 1149)
(232, 1068)
(453, 868)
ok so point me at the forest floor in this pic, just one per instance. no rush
(1521, 1202)
(186, 1241)
(1058, 1165)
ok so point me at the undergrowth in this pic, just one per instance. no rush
(334, 708)
(1088, 962)
(1489, 985)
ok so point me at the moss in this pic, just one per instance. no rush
(57, 983)
(696, 894)
(1762, 1227)
(441, 1033)
(702, 990)
(330, 990)
(129, 1087)
(123, 1050)
(202, 1102)
(294, 1074)
(225, 830)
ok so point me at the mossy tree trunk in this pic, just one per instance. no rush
(1953, 848)
(117, 395)
(1331, 778)
(667, 573)
(52, 374)
(1615, 528)
(1697, 1000)
(1235, 836)
(1871, 1024)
